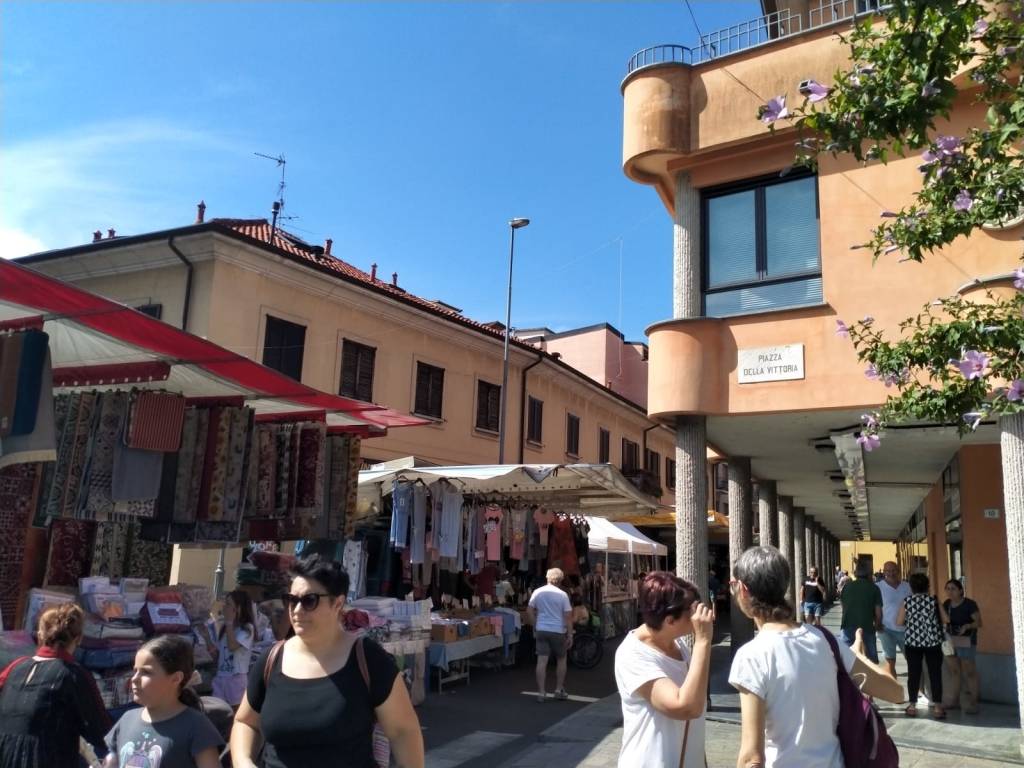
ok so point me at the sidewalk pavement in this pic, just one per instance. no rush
(591, 737)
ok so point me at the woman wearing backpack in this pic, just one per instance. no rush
(786, 675)
(314, 698)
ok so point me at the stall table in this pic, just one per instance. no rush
(445, 656)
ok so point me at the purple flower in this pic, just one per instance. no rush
(815, 91)
(1016, 391)
(1006, 50)
(979, 29)
(774, 110)
(868, 320)
(978, 76)
(871, 372)
(972, 365)
(870, 421)
(869, 442)
(1018, 278)
(948, 145)
(931, 89)
(888, 215)
(973, 419)
(841, 329)
(963, 201)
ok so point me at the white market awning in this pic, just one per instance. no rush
(605, 537)
(599, 490)
(639, 543)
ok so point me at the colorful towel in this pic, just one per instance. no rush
(40, 444)
(71, 544)
(186, 458)
(19, 484)
(96, 502)
(266, 472)
(337, 498)
(10, 364)
(218, 443)
(78, 453)
(34, 351)
(310, 480)
(155, 421)
(238, 439)
(198, 462)
(283, 438)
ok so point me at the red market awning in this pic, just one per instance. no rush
(97, 342)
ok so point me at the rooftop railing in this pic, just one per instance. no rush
(753, 33)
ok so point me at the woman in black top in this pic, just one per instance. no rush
(48, 701)
(310, 701)
(963, 620)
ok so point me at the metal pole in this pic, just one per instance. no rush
(504, 369)
(218, 575)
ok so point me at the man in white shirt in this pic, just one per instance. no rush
(551, 616)
(894, 591)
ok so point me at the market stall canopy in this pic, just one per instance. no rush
(97, 342)
(600, 490)
(639, 544)
(605, 537)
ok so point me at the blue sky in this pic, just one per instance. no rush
(413, 132)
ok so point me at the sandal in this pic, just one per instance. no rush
(939, 713)
(910, 711)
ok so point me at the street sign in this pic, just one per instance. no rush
(781, 363)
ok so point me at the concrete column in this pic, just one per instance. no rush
(1011, 444)
(691, 501)
(786, 542)
(819, 549)
(691, 435)
(767, 513)
(799, 563)
(808, 544)
(741, 534)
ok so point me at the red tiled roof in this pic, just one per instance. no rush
(259, 231)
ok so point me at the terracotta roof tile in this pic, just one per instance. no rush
(259, 230)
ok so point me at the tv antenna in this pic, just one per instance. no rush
(278, 207)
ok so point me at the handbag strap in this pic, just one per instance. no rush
(268, 667)
(364, 670)
(686, 738)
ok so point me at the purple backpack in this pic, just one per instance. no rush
(861, 730)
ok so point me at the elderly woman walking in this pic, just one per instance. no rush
(786, 675)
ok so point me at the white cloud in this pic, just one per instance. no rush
(56, 189)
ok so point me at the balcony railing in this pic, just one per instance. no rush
(750, 34)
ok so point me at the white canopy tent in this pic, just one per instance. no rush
(605, 537)
(597, 490)
(639, 543)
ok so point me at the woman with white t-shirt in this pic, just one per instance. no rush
(786, 675)
(662, 684)
(235, 640)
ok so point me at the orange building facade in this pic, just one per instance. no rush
(763, 269)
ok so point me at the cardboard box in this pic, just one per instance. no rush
(480, 627)
(444, 633)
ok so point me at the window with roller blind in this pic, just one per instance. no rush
(357, 362)
(761, 246)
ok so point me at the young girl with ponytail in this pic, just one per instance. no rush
(170, 730)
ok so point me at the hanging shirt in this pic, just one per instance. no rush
(450, 538)
(492, 530)
(544, 519)
(401, 511)
(418, 541)
(517, 543)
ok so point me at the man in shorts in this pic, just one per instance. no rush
(551, 616)
(894, 591)
(862, 609)
(813, 596)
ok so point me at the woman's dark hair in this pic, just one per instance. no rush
(766, 575)
(323, 571)
(243, 604)
(174, 654)
(59, 627)
(918, 583)
(956, 583)
(663, 594)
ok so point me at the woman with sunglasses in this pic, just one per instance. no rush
(307, 697)
(663, 685)
(786, 675)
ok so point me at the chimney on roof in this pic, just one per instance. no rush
(200, 212)
(373, 271)
(327, 246)
(97, 236)
(111, 234)
(394, 279)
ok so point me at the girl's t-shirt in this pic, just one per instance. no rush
(235, 662)
(171, 743)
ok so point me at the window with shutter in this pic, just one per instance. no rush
(283, 346)
(357, 362)
(488, 406)
(572, 434)
(652, 463)
(429, 390)
(535, 422)
(670, 473)
(630, 456)
(604, 446)
(153, 310)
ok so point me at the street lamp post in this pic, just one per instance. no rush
(513, 225)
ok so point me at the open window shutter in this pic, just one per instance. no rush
(349, 369)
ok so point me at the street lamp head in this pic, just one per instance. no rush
(518, 223)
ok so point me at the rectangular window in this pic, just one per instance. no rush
(357, 362)
(761, 246)
(572, 434)
(535, 421)
(429, 390)
(670, 473)
(604, 446)
(283, 346)
(153, 310)
(652, 463)
(488, 406)
(630, 457)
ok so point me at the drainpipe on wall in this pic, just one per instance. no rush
(188, 282)
(522, 407)
(643, 458)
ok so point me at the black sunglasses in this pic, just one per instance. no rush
(309, 601)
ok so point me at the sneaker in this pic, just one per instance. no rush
(561, 695)
(541, 698)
